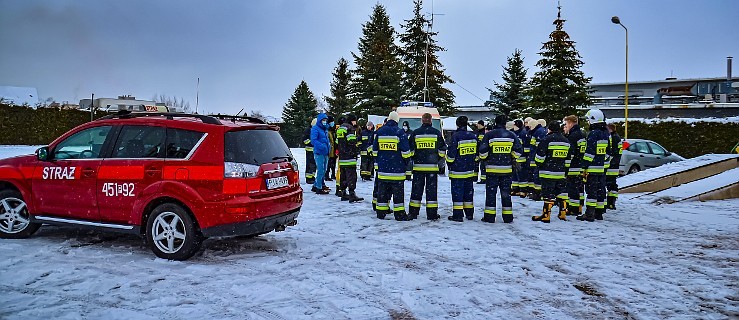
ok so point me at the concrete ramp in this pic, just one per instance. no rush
(721, 186)
(677, 173)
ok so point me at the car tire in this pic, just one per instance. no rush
(15, 223)
(171, 232)
(634, 169)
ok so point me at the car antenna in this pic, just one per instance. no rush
(237, 115)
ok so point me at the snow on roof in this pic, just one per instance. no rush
(19, 95)
(701, 186)
(671, 168)
(673, 119)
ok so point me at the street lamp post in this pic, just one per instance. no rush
(617, 21)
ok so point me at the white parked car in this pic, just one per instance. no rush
(644, 154)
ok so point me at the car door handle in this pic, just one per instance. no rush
(152, 171)
(88, 172)
(641, 156)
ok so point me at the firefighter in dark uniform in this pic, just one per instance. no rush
(392, 151)
(366, 137)
(538, 133)
(460, 158)
(612, 171)
(523, 176)
(427, 147)
(310, 161)
(373, 153)
(515, 179)
(575, 191)
(348, 152)
(551, 155)
(499, 149)
(409, 166)
(597, 149)
(480, 167)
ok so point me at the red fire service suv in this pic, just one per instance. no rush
(174, 178)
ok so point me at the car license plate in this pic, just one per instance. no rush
(279, 182)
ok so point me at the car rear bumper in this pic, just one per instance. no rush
(253, 227)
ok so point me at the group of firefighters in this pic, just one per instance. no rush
(557, 163)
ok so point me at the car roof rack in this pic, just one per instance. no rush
(235, 118)
(125, 114)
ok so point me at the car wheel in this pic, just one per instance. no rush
(171, 233)
(634, 169)
(15, 220)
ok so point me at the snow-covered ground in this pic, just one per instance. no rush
(644, 261)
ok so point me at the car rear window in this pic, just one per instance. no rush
(255, 147)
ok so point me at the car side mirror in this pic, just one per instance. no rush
(42, 154)
(667, 153)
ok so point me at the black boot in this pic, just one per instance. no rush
(507, 218)
(401, 216)
(599, 213)
(381, 214)
(469, 213)
(588, 215)
(353, 197)
(456, 219)
(489, 218)
(432, 214)
(344, 196)
(338, 193)
(413, 212)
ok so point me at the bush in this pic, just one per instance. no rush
(29, 126)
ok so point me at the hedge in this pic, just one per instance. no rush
(687, 139)
(28, 126)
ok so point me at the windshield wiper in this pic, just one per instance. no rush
(287, 158)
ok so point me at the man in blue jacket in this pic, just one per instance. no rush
(392, 154)
(319, 139)
(499, 150)
(460, 158)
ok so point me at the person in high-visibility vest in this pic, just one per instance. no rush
(612, 172)
(460, 157)
(392, 153)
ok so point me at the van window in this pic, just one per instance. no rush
(415, 123)
(255, 147)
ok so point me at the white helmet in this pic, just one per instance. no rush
(595, 116)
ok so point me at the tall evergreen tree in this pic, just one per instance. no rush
(559, 87)
(339, 101)
(376, 82)
(417, 41)
(510, 96)
(297, 114)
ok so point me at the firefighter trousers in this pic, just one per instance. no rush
(462, 196)
(387, 189)
(348, 177)
(575, 192)
(493, 182)
(595, 188)
(366, 167)
(310, 167)
(429, 182)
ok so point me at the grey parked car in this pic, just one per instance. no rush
(644, 154)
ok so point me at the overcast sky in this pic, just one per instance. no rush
(253, 54)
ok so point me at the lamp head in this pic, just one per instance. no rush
(616, 20)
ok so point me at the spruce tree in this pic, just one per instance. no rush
(559, 87)
(417, 41)
(297, 114)
(339, 102)
(509, 98)
(376, 81)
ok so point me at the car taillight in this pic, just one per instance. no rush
(239, 170)
(295, 165)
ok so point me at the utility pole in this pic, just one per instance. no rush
(429, 30)
(197, 96)
(92, 107)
